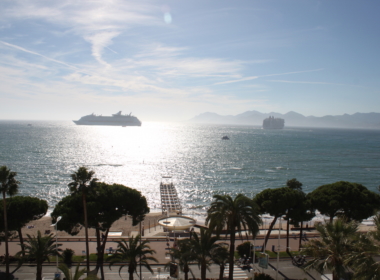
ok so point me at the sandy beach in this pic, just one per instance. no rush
(122, 227)
(155, 233)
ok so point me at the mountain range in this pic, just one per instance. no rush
(357, 120)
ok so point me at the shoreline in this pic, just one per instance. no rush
(123, 228)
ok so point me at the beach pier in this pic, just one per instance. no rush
(170, 203)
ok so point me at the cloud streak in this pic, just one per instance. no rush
(37, 54)
(261, 76)
(311, 83)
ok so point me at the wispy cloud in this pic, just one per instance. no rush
(294, 72)
(100, 41)
(98, 22)
(269, 75)
(35, 53)
(238, 80)
(312, 83)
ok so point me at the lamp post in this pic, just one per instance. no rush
(56, 238)
(254, 257)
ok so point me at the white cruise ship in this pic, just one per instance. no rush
(115, 120)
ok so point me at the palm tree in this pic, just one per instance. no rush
(67, 272)
(83, 181)
(236, 214)
(8, 185)
(202, 247)
(134, 252)
(361, 259)
(183, 255)
(220, 257)
(39, 249)
(332, 250)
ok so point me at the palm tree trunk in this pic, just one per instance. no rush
(221, 272)
(99, 261)
(300, 242)
(232, 252)
(21, 241)
(186, 271)
(39, 272)
(105, 241)
(97, 233)
(131, 271)
(268, 233)
(203, 271)
(86, 231)
(287, 238)
(6, 237)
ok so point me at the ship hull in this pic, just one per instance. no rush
(106, 124)
(273, 123)
(115, 120)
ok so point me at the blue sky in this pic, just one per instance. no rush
(172, 60)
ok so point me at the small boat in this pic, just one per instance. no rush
(225, 137)
(29, 124)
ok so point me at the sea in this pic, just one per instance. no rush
(199, 162)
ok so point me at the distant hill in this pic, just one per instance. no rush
(357, 120)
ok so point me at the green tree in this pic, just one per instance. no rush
(183, 256)
(67, 256)
(277, 203)
(83, 182)
(330, 252)
(294, 184)
(67, 272)
(245, 249)
(39, 249)
(202, 246)
(18, 217)
(362, 259)
(300, 211)
(105, 204)
(134, 252)
(236, 215)
(8, 186)
(220, 256)
(351, 200)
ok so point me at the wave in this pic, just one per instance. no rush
(108, 164)
(281, 168)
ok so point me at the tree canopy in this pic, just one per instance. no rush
(18, 217)
(133, 252)
(237, 214)
(8, 186)
(39, 248)
(279, 202)
(351, 200)
(22, 210)
(105, 205)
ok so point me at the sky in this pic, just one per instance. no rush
(172, 60)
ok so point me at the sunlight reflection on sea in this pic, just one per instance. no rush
(200, 162)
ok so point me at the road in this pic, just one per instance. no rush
(286, 269)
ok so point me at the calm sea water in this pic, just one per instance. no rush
(200, 163)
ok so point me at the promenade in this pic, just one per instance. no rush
(160, 241)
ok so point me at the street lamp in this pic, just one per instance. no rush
(56, 239)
